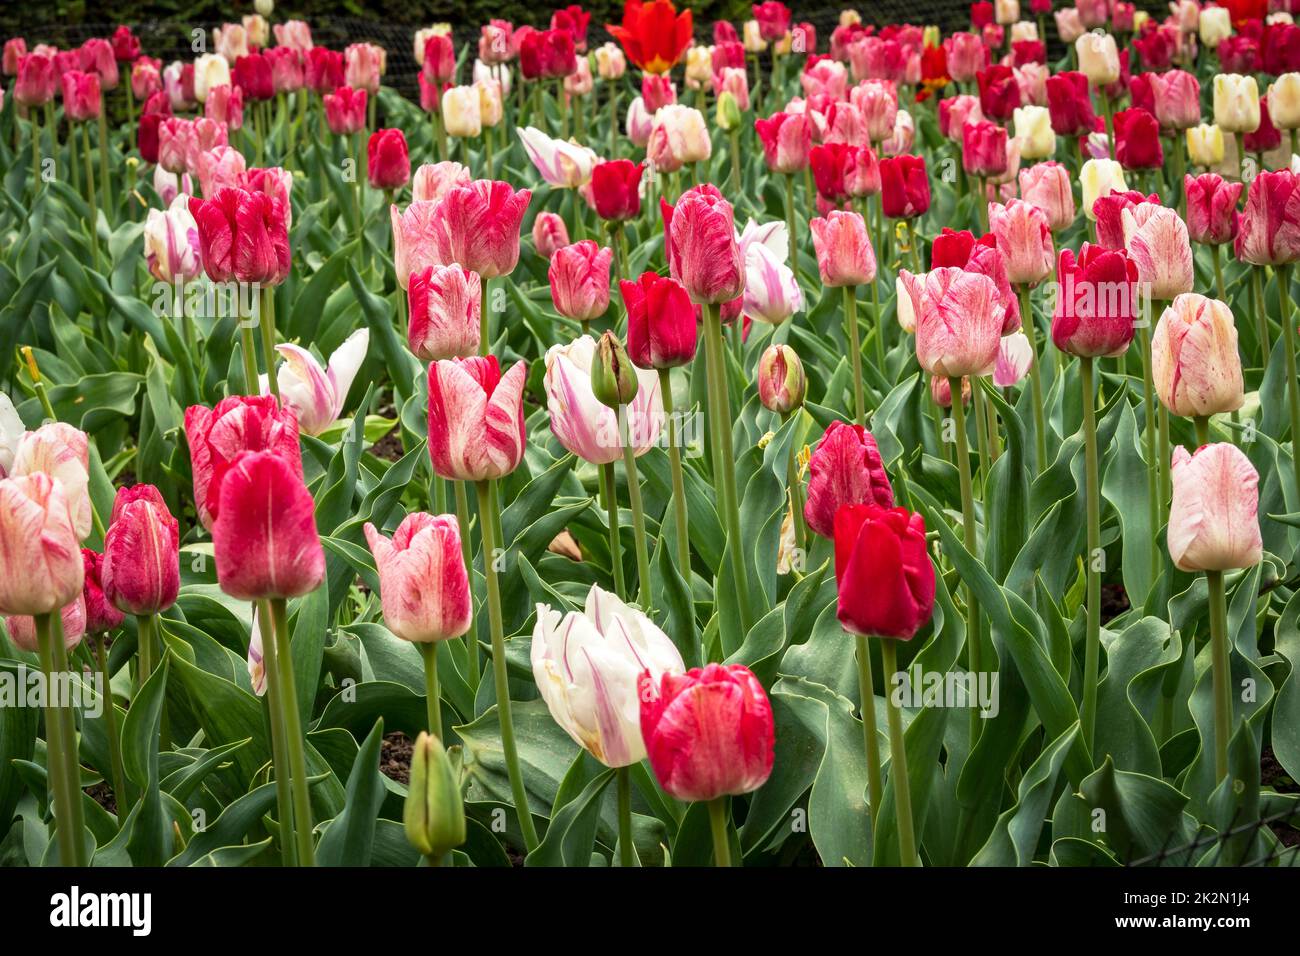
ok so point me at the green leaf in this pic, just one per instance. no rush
(348, 839)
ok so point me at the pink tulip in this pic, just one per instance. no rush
(38, 536)
(415, 246)
(549, 234)
(1048, 186)
(476, 418)
(966, 55)
(174, 135)
(244, 236)
(225, 105)
(701, 248)
(579, 276)
(955, 112)
(364, 64)
(1096, 307)
(22, 627)
(141, 568)
(877, 101)
(844, 253)
(445, 307)
(1214, 515)
(264, 536)
(314, 393)
(845, 469)
(422, 579)
(1270, 223)
(294, 34)
(786, 139)
(582, 423)
(62, 452)
(101, 615)
(984, 149)
(81, 98)
(1177, 95)
(1194, 360)
(432, 181)
(958, 322)
(1212, 201)
(478, 226)
(1024, 238)
(15, 49)
(221, 168)
(345, 110)
(1015, 355)
(1157, 242)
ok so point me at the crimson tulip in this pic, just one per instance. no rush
(101, 615)
(904, 186)
(883, 571)
(141, 565)
(661, 322)
(1098, 301)
(388, 163)
(615, 189)
(244, 236)
(845, 469)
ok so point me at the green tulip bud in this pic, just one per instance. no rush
(434, 814)
(613, 379)
(781, 379)
(728, 115)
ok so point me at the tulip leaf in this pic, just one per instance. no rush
(141, 730)
(349, 838)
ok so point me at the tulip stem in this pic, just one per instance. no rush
(796, 490)
(1149, 438)
(1222, 672)
(638, 513)
(266, 319)
(1092, 637)
(855, 353)
(867, 690)
(36, 151)
(724, 465)
(144, 625)
(65, 792)
(981, 435)
(915, 250)
(1218, 271)
(429, 651)
(898, 761)
(1202, 423)
(485, 319)
(488, 521)
(1109, 112)
(105, 185)
(1035, 377)
(789, 223)
(275, 719)
(471, 637)
(90, 189)
(733, 137)
(718, 824)
(626, 851)
(610, 489)
(1292, 386)
(110, 716)
(294, 744)
(970, 539)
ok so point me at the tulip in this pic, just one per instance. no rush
(491, 107)
(615, 189)
(1194, 361)
(1215, 25)
(1097, 306)
(81, 97)
(438, 58)
(477, 225)
(904, 187)
(252, 74)
(687, 135)
(562, 164)
(549, 234)
(1284, 101)
(101, 615)
(141, 565)
(1270, 224)
(423, 583)
(707, 733)
(877, 101)
(210, 70)
(264, 536)
(885, 576)
(62, 452)
(1213, 519)
(772, 292)
(581, 421)
(786, 140)
(15, 48)
(171, 243)
(476, 418)
(316, 394)
(1098, 58)
(1157, 241)
(984, 149)
(1212, 216)
(1100, 177)
(980, 256)
(345, 110)
(1024, 238)
(1236, 103)
(1205, 145)
(701, 246)
(1069, 104)
(1265, 137)
(1177, 96)
(294, 34)
(364, 63)
(610, 62)
(614, 384)
(967, 56)
(781, 380)
(36, 80)
(414, 244)
(845, 469)
(661, 323)
(657, 92)
(1015, 357)
(434, 813)
(734, 81)
(325, 71)
(588, 666)
(959, 320)
(243, 236)
(844, 253)
(460, 112)
(39, 535)
(1048, 186)
(72, 617)
(445, 312)
(225, 105)
(1137, 140)
(432, 181)
(752, 35)
(388, 166)
(217, 436)
(579, 277)
(1033, 126)
(288, 74)
(955, 112)
(640, 123)
(999, 93)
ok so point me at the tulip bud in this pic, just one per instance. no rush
(613, 379)
(781, 379)
(1205, 145)
(141, 564)
(1214, 514)
(1215, 25)
(1034, 130)
(1100, 177)
(435, 813)
(1098, 58)
(728, 113)
(1236, 103)
(1194, 360)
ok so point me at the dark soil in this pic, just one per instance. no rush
(1272, 775)
(388, 448)
(1114, 601)
(103, 794)
(395, 757)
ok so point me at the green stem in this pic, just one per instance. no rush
(145, 624)
(981, 434)
(1092, 637)
(855, 353)
(66, 793)
(1149, 437)
(626, 851)
(867, 690)
(1257, 305)
(485, 319)
(638, 514)
(795, 489)
(432, 696)
(472, 672)
(1222, 672)
(1110, 120)
(36, 151)
(970, 539)
(105, 184)
(293, 743)
(679, 483)
(718, 826)
(789, 223)
(110, 716)
(1292, 386)
(275, 718)
(488, 520)
(1202, 423)
(1218, 271)
(93, 204)
(898, 761)
(266, 319)
(615, 543)
(1035, 377)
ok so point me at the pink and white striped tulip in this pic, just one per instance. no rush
(446, 307)
(1048, 186)
(415, 245)
(579, 277)
(562, 163)
(958, 322)
(1157, 242)
(1015, 356)
(62, 452)
(581, 422)
(38, 535)
(171, 243)
(1024, 239)
(477, 225)
(315, 394)
(432, 181)
(1214, 515)
(476, 418)
(844, 253)
(1194, 361)
(423, 584)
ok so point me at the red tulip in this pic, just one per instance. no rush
(439, 59)
(984, 149)
(1137, 140)
(101, 615)
(700, 243)
(845, 469)
(1239, 54)
(773, 19)
(446, 305)
(157, 109)
(265, 537)
(217, 436)
(708, 732)
(786, 139)
(615, 189)
(288, 74)
(1098, 301)
(36, 80)
(828, 162)
(477, 225)
(141, 567)
(476, 418)
(883, 571)
(981, 14)
(325, 70)
(573, 20)
(345, 110)
(1270, 223)
(126, 45)
(1028, 51)
(1069, 103)
(661, 321)
(654, 35)
(1212, 202)
(81, 97)
(547, 54)
(252, 74)
(1265, 137)
(388, 164)
(904, 186)
(244, 236)
(579, 277)
(999, 91)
